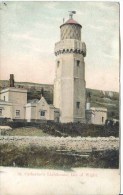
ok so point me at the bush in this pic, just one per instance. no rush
(36, 156)
(79, 129)
(71, 129)
(105, 159)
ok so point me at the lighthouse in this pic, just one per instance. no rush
(69, 83)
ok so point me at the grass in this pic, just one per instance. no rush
(23, 131)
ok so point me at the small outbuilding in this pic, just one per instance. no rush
(37, 110)
(96, 115)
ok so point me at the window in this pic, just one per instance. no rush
(102, 119)
(77, 68)
(58, 63)
(4, 98)
(78, 63)
(78, 104)
(18, 113)
(0, 112)
(42, 113)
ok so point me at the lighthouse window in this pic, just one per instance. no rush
(0, 112)
(102, 119)
(78, 104)
(78, 63)
(58, 63)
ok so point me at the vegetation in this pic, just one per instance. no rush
(108, 99)
(79, 129)
(60, 129)
(42, 157)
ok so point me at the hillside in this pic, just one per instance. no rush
(27, 85)
(99, 98)
(107, 99)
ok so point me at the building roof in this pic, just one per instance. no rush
(99, 109)
(33, 101)
(13, 89)
(71, 21)
(2, 102)
(46, 94)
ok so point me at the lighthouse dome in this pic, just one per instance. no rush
(71, 30)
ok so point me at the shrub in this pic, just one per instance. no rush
(37, 156)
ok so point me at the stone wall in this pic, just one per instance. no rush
(77, 144)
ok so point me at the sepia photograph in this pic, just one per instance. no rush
(60, 98)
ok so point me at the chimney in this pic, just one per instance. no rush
(11, 80)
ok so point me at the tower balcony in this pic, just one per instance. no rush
(70, 46)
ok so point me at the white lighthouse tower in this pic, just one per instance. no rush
(69, 83)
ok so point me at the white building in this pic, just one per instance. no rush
(5, 109)
(69, 83)
(96, 115)
(37, 110)
(12, 103)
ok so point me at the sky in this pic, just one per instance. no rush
(29, 31)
